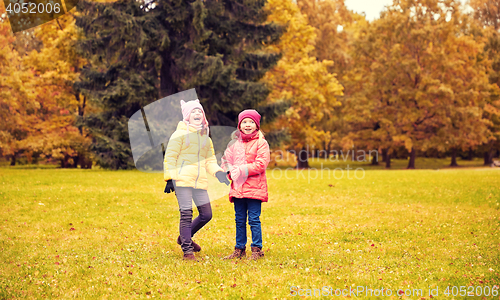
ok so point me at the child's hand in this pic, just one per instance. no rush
(238, 177)
(169, 187)
(237, 172)
(234, 174)
(222, 177)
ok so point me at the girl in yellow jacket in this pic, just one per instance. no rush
(188, 158)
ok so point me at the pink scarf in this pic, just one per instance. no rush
(246, 137)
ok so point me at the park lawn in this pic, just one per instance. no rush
(69, 233)
(396, 164)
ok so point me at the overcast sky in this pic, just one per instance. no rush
(372, 8)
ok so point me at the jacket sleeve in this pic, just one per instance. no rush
(171, 156)
(261, 160)
(211, 161)
(226, 160)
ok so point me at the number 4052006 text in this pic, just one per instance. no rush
(33, 8)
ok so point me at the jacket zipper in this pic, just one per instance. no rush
(182, 166)
(199, 148)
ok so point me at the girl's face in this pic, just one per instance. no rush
(196, 117)
(248, 126)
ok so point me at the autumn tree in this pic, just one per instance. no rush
(39, 101)
(487, 13)
(18, 101)
(422, 83)
(336, 28)
(57, 66)
(11, 112)
(300, 78)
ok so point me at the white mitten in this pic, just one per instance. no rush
(239, 176)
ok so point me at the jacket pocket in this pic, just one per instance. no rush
(182, 165)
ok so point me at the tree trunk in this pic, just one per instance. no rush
(75, 161)
(487, 158)
(302, 162)
(167, 85)
(492, 154)
(65, 161)
(13, 159)
(81, 159)
(454, 158)
(85, 162)
(324, 153)
(375, 160)
(384, 155)
(471, 154)
(387, 159)
(314, 153)
(413, 155)
(81, 108)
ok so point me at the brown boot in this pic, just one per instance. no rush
(238, 253)
(189, 256)
(196, 247)
(256, 253)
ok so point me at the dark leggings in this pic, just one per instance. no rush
(187, 226)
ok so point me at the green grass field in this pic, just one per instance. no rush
(103, 234)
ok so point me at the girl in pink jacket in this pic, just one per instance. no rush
(245, 160)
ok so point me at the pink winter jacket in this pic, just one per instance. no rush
(247, 161)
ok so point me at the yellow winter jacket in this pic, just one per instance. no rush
(188, 164)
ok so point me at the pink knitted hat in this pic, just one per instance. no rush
(187, 108)
(249, 113)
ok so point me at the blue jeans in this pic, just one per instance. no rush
(252, 207)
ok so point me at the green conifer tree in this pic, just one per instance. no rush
(140, 52)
